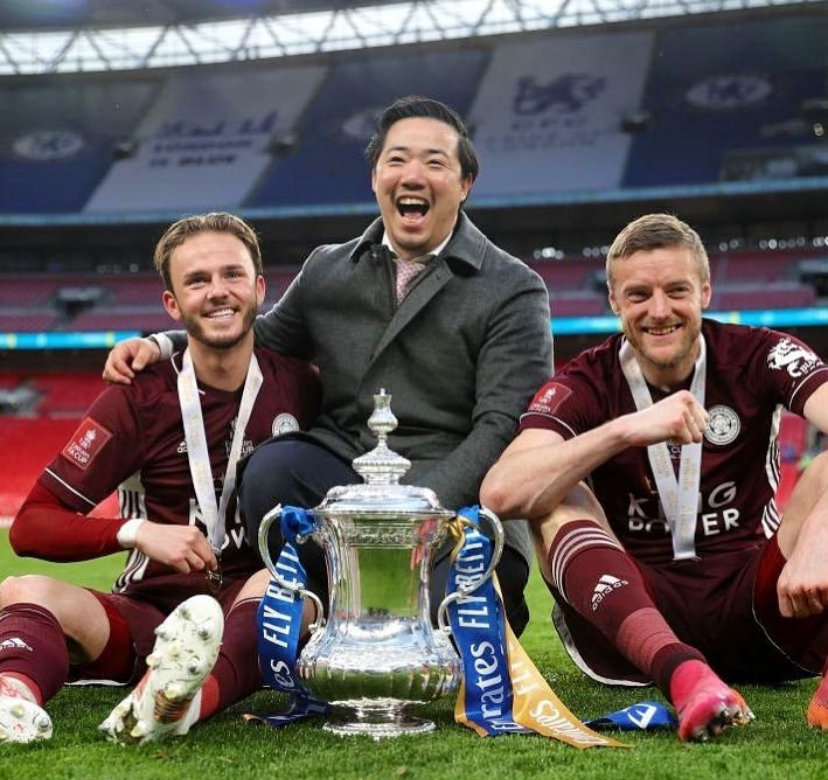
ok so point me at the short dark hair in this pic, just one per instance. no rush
(412, 107)
(216, 222)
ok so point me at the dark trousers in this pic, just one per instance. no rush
(293, 471)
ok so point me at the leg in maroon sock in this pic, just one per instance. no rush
(34, 664)
(32, 645)
(236, 673)
(603, 584)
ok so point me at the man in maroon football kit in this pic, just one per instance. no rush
(648, 468)
(169, 444)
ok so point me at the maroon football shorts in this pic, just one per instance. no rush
(710, 605)
(134, 616)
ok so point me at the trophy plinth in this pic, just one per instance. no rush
(386, 721)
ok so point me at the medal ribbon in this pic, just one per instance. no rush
(679, 497)
(502, 691)
(197, 454)
(279, 621)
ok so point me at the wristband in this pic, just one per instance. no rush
(128, 532)
(164, 344)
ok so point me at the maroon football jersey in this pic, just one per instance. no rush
(751, 374)
(132, 439)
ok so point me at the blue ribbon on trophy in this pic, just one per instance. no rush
(478, 626)
(279, 621)
(502, 691)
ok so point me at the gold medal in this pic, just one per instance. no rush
(215, 578)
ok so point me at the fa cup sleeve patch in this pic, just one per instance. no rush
(550, 398)
(86, 442)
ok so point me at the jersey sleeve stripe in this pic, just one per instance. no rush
(529, 415)
(804, 381)
(72, 490)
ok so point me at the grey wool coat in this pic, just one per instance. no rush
(461, 356)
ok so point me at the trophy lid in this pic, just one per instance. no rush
(381, 468)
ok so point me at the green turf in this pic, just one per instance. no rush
(776, 745)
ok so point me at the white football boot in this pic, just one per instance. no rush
(21, 719)
(166, 700)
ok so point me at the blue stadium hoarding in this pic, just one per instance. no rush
(760, 318)
(65, 340)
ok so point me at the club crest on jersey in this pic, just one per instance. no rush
(284, 423)
(724, 425)
(796, 359)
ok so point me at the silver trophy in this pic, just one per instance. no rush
(378, 653)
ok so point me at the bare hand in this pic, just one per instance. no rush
(181, 547)
(679, 418)
(128, 358)
(803, 584)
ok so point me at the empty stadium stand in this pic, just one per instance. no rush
(26, 292)
(755, 295)
(577, 303)
(133, 290)
(568, 273)
(757, 267)
(543, 125)
(28, 447)
(144, 319)
(66, 395)
(24, 320)
(106, 302)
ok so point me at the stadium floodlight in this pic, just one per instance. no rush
(338, 29)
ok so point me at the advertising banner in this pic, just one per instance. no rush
(549, 111)
(206, 140)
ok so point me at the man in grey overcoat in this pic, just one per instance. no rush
(424, 306)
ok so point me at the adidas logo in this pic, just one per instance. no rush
(15, 643)
(606, 585)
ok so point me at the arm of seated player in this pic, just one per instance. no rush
(131, 356)
(539, 467)
(803, 536)
(48, 529)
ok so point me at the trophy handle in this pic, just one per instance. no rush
(300, 590)
(497, 527)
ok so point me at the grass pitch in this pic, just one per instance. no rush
(777, 745)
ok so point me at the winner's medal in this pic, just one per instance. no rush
(215, 578)
(198, 456)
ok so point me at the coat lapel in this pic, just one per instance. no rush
(427, 287)
(468, 246)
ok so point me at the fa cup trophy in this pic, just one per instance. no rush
(378, 653)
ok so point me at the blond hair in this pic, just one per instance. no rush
(657, 231)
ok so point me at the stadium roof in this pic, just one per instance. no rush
(28, 15)
(68, 36)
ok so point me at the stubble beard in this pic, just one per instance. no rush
(681, 356)
(195, 330)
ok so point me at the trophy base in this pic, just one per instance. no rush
(378, 725)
